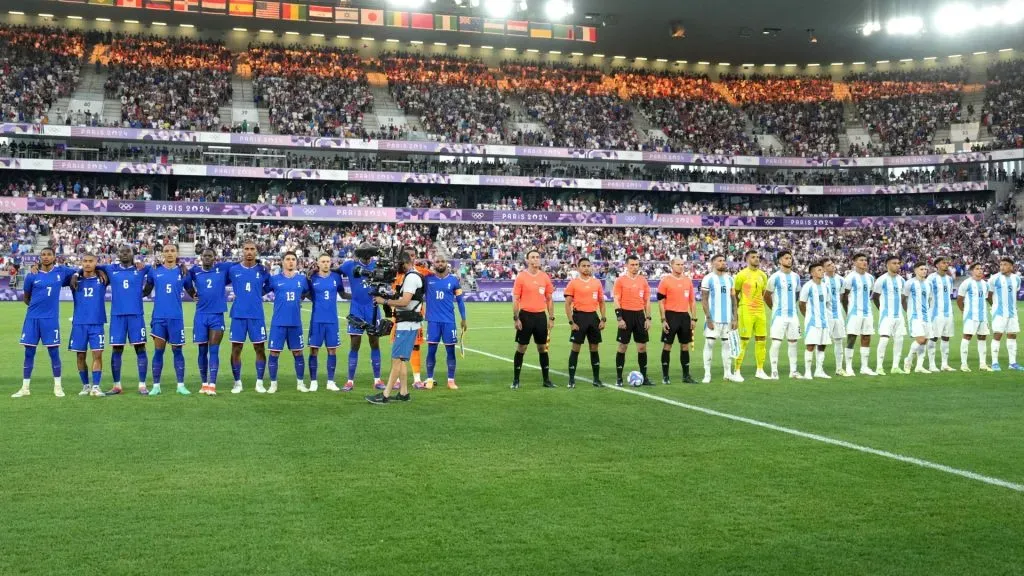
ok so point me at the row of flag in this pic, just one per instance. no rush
(363, 16)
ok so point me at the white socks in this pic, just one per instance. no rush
(964, 345)
(931, 354)
(995, 350)
(849, 360)
(944, 346)
(773, 355)
(897, 351)
(883, 343)
(837, 351)
(709, 349)
(1011, 349)
(808, 363)
(793, 346)
(726, 356)
(981, 353)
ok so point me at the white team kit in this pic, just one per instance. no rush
(818, 298)
(859, 319)
(975, 294)
(719, 293)
(941, 314)
(785, 319)
(919, 303)
(836, 326)
(890, 290)
(1004, 289)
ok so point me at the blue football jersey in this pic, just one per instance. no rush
(358, 286)
(89, 305)
(210, 285)
(168, 284)
(324, 293)
(439, 298)
(288, 293)
(126, 284)
(250, 284)
(44, 291)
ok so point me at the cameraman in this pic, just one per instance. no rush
(409, 317)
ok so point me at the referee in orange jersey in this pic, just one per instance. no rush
(677, 302)
(531, 299)
(632, 296)
(584, 296)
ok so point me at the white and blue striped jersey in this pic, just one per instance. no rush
(859, 286)
(919, 299)
(719, 295)
(818, 297)
(1004, 290)
(942, 294)
(974, 293)
(890, 290)
(835, 289)
(785, 289)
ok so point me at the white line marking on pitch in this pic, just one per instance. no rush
(793, 432)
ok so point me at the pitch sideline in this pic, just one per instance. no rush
(793, 432)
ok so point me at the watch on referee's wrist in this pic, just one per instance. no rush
(648, 317)
(604, 319)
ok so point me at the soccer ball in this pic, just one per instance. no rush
(635, 379)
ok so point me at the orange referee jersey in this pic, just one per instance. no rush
(533, 291)
(586, 294)
(678, 292)
(633, 294)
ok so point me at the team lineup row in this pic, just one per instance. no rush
(207, 281)
(735, 311)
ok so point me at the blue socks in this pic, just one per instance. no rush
(115, 364)
(353, 361)
(158, 364)
(300, 367)
(30, 361)
(313, 366)
(273, 367)
(204, 354)
(179, 364)
(215, 363)
(55, 364)
(142, 360)
(375, 362)
(431, 360)
(236, 370)
(83, 375)
(451, 361)
(261, 368)
(332, 366)
(97, 375)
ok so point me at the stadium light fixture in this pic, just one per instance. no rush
(317, 35)
(392, 40)
(368, 38)
(769, 65)
(240, 29)
(882, 62)
(1006, 49)
(640, 59)
(182, 25)
(814, 65)
(555, 52)
(442, 44)
(598, 55)
(416, 42)
(103, 19)
(837, 64)
(930, 58)
(532, 50)
(131, 21)
(79, 18)
(577, 53)
(556, 10)
(952, 56)
(858, 63)
(618, 57)
(291, 33)
(870, 28)
(340, 36)
(154, 23)
(499, 8)
(486, 47)
(703, 63)
(959, 17)
(662, 60)
(509, 49)
(980, 53)
(904, 60)
(904, 26)
(723, 64)
(464, 46)
(42, 15)
(680, 61)
(16, 12)
(791, 65)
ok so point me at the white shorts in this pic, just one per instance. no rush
(920, 329)
(720, 332)
(892, 327)
(860, 326)
(1004, 325)
(837, 328)
(815, 336)
(975, 328)
(785, 329)
(942, 327)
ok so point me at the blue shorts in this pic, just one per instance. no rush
(361, 312)
(282, 335)
(442, 332)
(169, 330)
(36, 330)
(401, 348)
(253, 328)
(323, 334)
(203, 324)
(127, 330)
(86, 337)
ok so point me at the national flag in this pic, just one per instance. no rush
(214, 6)
(269, 10)
(186, 5)
(396, 19)
(158, 4)
(240, 8)
(421, 21)
(586, 34)
(540, 30)
(493, 26)
(346, 15)
(101, 2)
(368, 17)
(320, 13)
(443, 22)
(129, 3)
(294, 12)
(517, 28)
(471, 24)
(563, 32)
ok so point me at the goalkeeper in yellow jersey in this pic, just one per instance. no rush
(752, 316)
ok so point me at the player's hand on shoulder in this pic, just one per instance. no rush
(73, 282)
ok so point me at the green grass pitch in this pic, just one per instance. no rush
(490, 481)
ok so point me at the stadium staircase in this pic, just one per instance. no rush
(40, 243)
(521, 119)
(385, 110)
(241, 99)
(91, 88)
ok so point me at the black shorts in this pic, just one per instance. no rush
(589, 323)
(535, 325)
(634, 320)
(679, 326)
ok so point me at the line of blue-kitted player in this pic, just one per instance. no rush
(207, 281)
